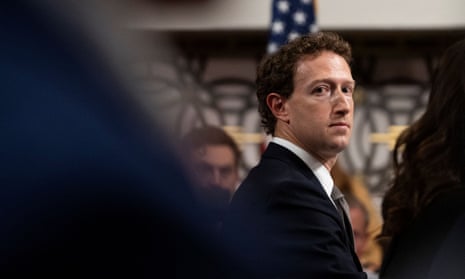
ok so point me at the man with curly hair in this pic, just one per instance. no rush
(284, 217)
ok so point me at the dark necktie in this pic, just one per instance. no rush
(343, 209)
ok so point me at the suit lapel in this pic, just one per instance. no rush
(278, 152)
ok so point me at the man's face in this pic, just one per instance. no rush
(320, 109)
(215, 168)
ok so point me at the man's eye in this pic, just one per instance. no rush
(348, 89)
(226, 171)
(320, 90)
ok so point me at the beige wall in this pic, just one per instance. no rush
(332, 14)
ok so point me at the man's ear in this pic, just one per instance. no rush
(277, 105)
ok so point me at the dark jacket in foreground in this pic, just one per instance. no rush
(284, 224)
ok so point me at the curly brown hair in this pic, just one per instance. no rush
(429, 156)
(276, 71)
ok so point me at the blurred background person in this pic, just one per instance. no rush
(424, 209)
(213, 159)
(360, 219)
(353, 185)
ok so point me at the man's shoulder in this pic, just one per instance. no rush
(270, 173)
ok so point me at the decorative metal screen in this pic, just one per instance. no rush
(182, 93)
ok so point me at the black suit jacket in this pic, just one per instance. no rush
(433, 246)
(284, 224)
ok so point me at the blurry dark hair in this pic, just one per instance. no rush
(276, 71)
(210, 135)
(429, 155)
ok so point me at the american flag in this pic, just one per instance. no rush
(290, 19)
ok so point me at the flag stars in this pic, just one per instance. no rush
(290, 19)
(272, 47)
(283, 6)
(313, 28)
(277, 27)
(300, 17)
(293, 35)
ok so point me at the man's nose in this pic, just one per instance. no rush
(341, 101)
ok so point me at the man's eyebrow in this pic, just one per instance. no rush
(332, 81)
